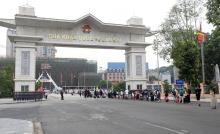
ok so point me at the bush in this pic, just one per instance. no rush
(211, 87)
(7, 84)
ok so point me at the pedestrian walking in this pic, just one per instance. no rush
(80, 93)
(95, 94)
(151, 96)
(158, 95)
(46, 95)
(213, 102)
(187, 97)
(61, 94)
(198, 94)
(101, 93)
(174, 94)
(166, 97)
(189, 94)
(126, 94)
(181, 92)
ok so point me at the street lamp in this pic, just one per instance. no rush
(154, 33)
(158, 66)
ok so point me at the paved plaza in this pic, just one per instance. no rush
(76, 115)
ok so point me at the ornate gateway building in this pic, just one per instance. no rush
(85, 32)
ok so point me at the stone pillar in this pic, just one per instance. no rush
(25, 62)
(135, 67)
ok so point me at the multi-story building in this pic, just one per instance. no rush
(115, 72)
(166, 76)
(42, 51)
(115, 75)
(64, 71)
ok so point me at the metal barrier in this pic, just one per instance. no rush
(26, 96)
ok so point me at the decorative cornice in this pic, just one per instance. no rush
(9, 23)
(25, 38)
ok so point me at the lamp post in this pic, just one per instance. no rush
(154, 33)
(158, 66)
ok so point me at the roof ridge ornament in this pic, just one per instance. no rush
(26, 10)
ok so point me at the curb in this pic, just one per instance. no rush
(37, 128)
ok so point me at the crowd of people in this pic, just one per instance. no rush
(181, 95)
(148, 95)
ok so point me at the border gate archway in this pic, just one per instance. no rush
(85, 32)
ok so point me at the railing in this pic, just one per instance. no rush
(26, 96)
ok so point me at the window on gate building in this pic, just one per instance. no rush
(139, 87)
(24, 88)
(128, 65)
(25, 63)
(138, 65)
(129, 87)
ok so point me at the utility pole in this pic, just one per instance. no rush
(158, 66)
(107, 78)
(203, 67)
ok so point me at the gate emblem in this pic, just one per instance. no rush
(86, 28)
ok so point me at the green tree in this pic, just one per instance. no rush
(6, 80)
(212, 49)
(212, 54)
(103, 84)
(120, 86)
(166, 87)
(180, 25)
(186, 58)
(177, 41)
(38, 84)
(213, 14)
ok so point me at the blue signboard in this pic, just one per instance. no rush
(180, 82)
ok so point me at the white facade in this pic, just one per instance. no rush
(27, 79)
(85, 32)
(10, 48)
(135, 69)
(42, 51)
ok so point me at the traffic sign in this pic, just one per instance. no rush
(179, 82)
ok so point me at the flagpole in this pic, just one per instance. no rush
(203, 67)
(202, 57)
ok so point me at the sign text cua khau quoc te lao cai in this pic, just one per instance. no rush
(82, 38)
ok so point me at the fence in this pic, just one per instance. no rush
(26, 96)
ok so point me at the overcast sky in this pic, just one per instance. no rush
(153, 13)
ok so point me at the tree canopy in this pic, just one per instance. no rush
(213, 14)
(212, 48)
(177, 39)
(104, 85)
(119, 87)
(6, 80)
